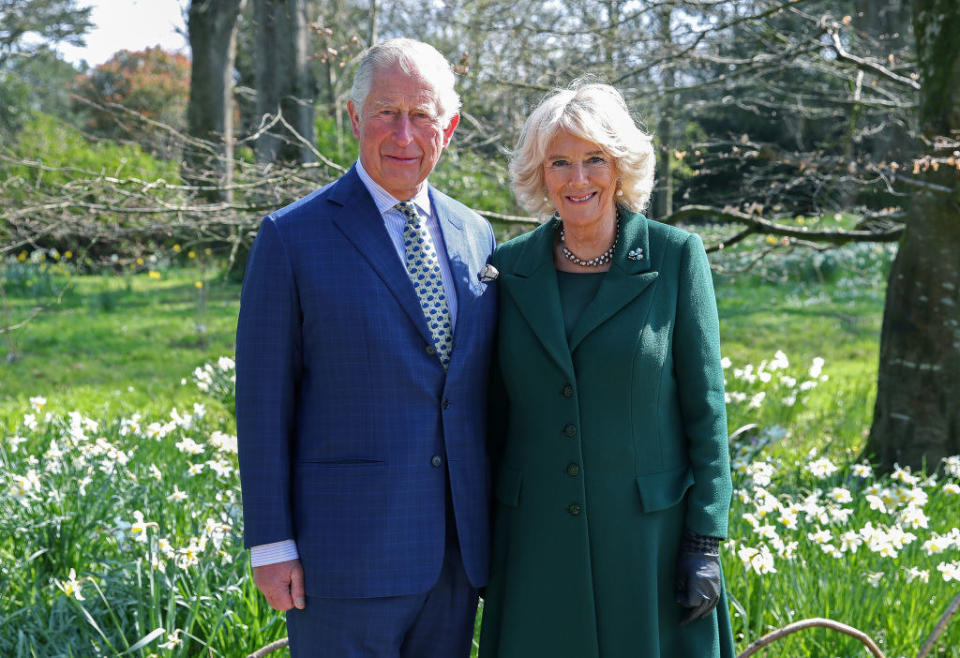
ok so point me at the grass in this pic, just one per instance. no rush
(115, 342)
(117, 348)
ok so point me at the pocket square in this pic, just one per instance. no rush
(488, 273)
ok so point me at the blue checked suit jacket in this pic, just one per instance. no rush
(342, 408)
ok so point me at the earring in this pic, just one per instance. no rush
(619, 189)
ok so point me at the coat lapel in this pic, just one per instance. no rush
(361, 223)
(629, 275)
(533, 285)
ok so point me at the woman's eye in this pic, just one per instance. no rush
(596, 160)
(559, 163)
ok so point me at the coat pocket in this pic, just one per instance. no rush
(662, 490)
(507, 489)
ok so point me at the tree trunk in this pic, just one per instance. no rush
(917, 414)
(284, 81)
(212, 28)
(372, 29)
(663, 192)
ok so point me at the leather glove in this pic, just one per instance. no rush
(698, 576)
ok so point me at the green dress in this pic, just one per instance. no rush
(613, 442)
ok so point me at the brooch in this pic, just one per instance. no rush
(488, 273)
(635, 254)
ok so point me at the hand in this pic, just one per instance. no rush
(698, 584)
(282, 584)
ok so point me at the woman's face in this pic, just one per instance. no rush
(581, 181)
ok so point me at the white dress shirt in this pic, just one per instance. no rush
(394, 220)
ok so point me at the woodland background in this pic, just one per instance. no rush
(815, 145)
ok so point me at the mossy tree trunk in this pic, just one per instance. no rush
(284, 80)
(917, 414)
(212, 28)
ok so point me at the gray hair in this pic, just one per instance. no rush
(594, 112)
(413, 57)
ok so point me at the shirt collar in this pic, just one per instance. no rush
(386, 201)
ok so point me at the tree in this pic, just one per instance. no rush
(29, 25)
(917, 415)
(285, 85)
(35, 83)
(152, 83)
(212, 28)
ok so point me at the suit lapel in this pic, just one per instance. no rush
(361, 223)
(458, 253)
(533, 285)
(629, 275)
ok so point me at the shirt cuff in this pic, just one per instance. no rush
(278, 551)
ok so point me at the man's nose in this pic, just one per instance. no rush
(403, 130)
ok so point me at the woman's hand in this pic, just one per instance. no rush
(698, 577)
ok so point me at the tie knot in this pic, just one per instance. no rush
(409, 211)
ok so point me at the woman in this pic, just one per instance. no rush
(612, 475)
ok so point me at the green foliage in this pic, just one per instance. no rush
(68, 154)
(44, 80)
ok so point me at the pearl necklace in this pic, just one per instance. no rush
(602, 259)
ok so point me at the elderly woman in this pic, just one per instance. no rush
(612, 477)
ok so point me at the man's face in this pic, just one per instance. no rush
(399, 131)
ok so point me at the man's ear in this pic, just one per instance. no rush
(355, 119)
(448, 131)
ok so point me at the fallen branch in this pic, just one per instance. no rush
(789, 629)
(270, 648)
(940, 627)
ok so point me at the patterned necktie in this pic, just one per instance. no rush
(423, 266)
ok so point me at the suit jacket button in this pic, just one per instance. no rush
(574, 509)
(445, 404)
(567, 391)
(430, 349)
(570, 430)
(573, 470)
(435, 461)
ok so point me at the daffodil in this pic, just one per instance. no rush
(71, 586)
(949, 570)
(822, 468)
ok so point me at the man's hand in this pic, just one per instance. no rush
(282, 584)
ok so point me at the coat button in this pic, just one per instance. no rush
(445, 404)
(436, 460)
(567, 391)
(574, 509)
(570, 430)
(573, 470)
(430, 349)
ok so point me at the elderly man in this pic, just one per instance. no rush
(363, 347)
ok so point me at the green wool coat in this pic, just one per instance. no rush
(614, 443)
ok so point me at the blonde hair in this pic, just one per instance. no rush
(594, 112)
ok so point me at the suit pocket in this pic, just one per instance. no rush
(659, 491)
(357, 461)
(507, 489)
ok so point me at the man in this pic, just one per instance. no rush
(362, 355)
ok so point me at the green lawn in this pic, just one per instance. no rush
(116, 342)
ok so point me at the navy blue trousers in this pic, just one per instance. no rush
(435, 624)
